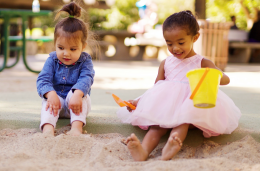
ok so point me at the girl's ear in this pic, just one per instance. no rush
(196, 37)
(84, 46)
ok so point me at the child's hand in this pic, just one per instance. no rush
(53, 102)
(133, 102)
(207, 63)
(75, 103)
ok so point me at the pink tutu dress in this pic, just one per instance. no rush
(167, 103)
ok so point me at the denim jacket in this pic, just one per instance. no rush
(55, 76)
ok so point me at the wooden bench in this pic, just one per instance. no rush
(151, 47)
(42, 38)
(242, 51)
(120, 51)
(127, 46)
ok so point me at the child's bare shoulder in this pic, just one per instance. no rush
(207, 63)
(163, 62)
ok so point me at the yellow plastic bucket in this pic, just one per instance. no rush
(204, 83)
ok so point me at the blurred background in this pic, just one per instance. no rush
(119, 15)
(131, 29)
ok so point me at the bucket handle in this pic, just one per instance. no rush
(199, 83)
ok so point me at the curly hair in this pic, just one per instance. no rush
(183, 19)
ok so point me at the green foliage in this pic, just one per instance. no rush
(44, 21)
(222, 10)
(168, 7)
(124, 13)
(118, 17)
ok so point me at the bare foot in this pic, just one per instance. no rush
(48, 130)
(136, 149)
(74, 132)
(172, 147)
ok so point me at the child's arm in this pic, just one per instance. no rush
(83, 85)
(75, 103)
(86, 77)
(208, 63)
(160, 75)
(44, 81)
(45, 87)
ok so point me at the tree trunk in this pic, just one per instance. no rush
(200, 8)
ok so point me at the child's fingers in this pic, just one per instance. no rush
(128, 139)
(130, 105)
(50, 108)
(130, 101)
(129, 109)
(56, 110)
(47, 106)
(76, 110)
(134, 102)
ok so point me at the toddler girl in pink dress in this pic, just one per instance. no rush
(166, 106)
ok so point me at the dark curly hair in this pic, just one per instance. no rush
(183, 19)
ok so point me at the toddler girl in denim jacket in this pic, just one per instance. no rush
(66, 78)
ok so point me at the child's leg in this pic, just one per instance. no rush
(48, 129)
(76, 128)
(48, 121)
(174, 143)
(78, 121)
(140, 152)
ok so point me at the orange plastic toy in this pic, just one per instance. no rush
(122, 103)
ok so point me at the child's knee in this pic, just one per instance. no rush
(47, 118)
(86, 104)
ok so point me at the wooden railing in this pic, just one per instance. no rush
(213, 42)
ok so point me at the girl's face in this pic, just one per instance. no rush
(179, 43)
(68, 50)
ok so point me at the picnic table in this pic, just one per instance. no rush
(242, 49)
(7, 14)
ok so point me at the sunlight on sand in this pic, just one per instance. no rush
(244, 79)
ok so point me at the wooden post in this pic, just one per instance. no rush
(200, 8)
(209, 43)
(213, 42)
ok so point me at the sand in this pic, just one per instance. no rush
(28, 149)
